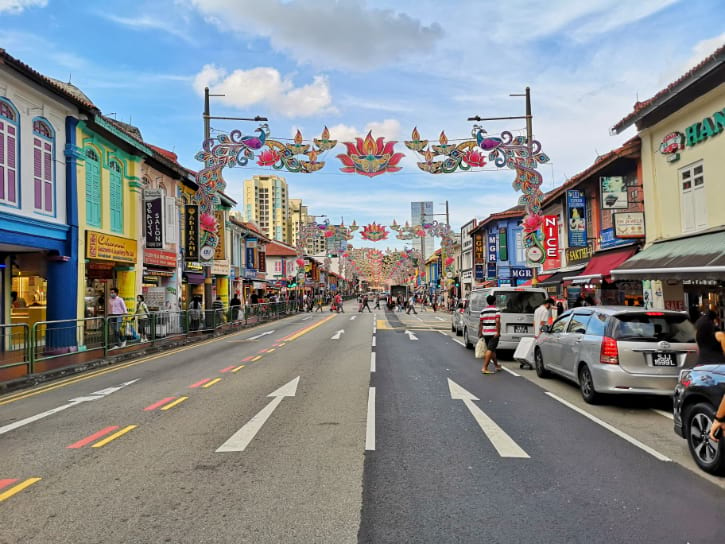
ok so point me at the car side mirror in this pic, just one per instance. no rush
(546, 328)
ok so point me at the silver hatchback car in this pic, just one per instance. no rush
(457, 316)
(617, 349)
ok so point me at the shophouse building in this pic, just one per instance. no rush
(465, 276)
(682, 129)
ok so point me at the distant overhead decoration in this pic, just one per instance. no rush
(297, 156)
(374, 232)
(445, 158)
(370, 157)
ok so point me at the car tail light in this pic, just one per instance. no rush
(655, 313)
(686, 378)
(610, 352)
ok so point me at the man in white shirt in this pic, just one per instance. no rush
(542, 315)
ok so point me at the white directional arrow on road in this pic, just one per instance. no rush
(504, 444)
(241, 439)
(336, 336)
(411, 335)
(353, 317)
(260, 335)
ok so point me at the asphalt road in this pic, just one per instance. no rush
(336, 428)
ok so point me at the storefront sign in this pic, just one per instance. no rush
(522, 273)
(503, 245)
(220, 268)
(262, 261)
(151, 280)
(671, 145)
(220, 250)
(105, 247)
(249, 273)
(153, 200)
(629, 225)
(191, 230)
(478, 250)
(492, 247)
(156, 257)
(193, 267)
(100, 271)
(576, 206)
(551, 242)
(698, 132)
(480, 272)
(251, 242)
(608, 240)
(250, 258)
(613, 193)
(491, 272)
(576, 255)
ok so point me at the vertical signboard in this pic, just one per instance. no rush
(191, 231)
(478, 248)
(503, 244)
(153, 218)
(551, 242)
(492, 247)
(613, 193)
(220, 249)
(576, 209)
(250, 245)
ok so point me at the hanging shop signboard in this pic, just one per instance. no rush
(250, 258)
(551, 242)
(492, 247)
(503, 251)
(153, 221)
(578, 255)
(521, 273)
(220, 249)
(480, 272)
(613, 193)
(191, 231)
(608, 239)
(220, 268)
(491, 272)
(576, 207)
(478, 248)
(629, 224)
(105, 247)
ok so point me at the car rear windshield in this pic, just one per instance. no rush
(653, 327)
(519, 302)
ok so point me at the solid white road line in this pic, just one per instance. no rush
(370, 430)
(241, 439)
(372, 362)
(610, 428)
(511, 371)
(457, 341)
(668, 415)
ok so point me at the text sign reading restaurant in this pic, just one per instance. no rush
(105, 247)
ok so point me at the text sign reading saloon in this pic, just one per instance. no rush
(153, 204)
(191, 229)
(104, 247)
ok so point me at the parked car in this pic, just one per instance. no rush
(516, 304)
(457, 316)
(617, 350)
(697, 396)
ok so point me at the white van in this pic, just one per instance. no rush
(517, 306)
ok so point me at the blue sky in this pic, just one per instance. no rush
(388, 65)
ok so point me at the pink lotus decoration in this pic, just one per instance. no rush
(370, 157)
(449, 261)
(532, 223)
(329, 234)
(300, 262)
(268, 157)
(474, 158)
(207, 222)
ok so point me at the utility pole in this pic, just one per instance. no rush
(448, 222)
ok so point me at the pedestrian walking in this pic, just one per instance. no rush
(365, 304)
(318, 302)
(142, 318)
(543, 315)
(218, 307)
(195, 313)
(235, 307)
(411, 305)
(338, 304)
(377, 302)
(710, 340)
(490, 331)
(116, 309)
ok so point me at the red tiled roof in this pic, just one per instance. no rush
(278, 249)
(165, 152)
(627, 149)
(717, 58)
(76, 98)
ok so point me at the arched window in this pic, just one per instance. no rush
(43, 166)
(93, 188)
(9, 151)
(116, 194)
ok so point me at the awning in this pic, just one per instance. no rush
(601, 265)
(558, 277)
(540, 278)
(193, 278)
(700, 257)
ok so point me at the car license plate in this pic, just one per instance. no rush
(663, 359)
(521, 328)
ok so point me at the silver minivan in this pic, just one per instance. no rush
(516, 304)
(617, 349)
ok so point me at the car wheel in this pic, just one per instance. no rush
(541, 372)
(709, 455)
(466, 340)
(586, 385)
(453, 328)
(459, 332)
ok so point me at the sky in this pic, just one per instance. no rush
(381, 65)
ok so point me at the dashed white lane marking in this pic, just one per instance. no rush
(439, 318)
(370, 430)
(668, 415)
(511, 371)
(373, 341)
(372, 362)
(457, 341)
(610, 428)
(306, 318)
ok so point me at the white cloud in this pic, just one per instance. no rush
(388, 129)
(266, 87)
(18, 6)
(344, 33)
(149, 22)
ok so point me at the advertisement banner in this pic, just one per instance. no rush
(607, 239)
(191, 231)
(250, 258)
(578, 255)
(153, 219)
(105, 247)
(576, 209)
(220, 249)
(155, 257)
(491, 272)
(478, 248)
(492, 247)
(551, 242)
(629, 224)
(613, 193)
(480, 272)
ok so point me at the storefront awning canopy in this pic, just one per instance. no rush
(540, 278)
(193, 278)
(558, 277)
(601, 265)
(699, 257)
